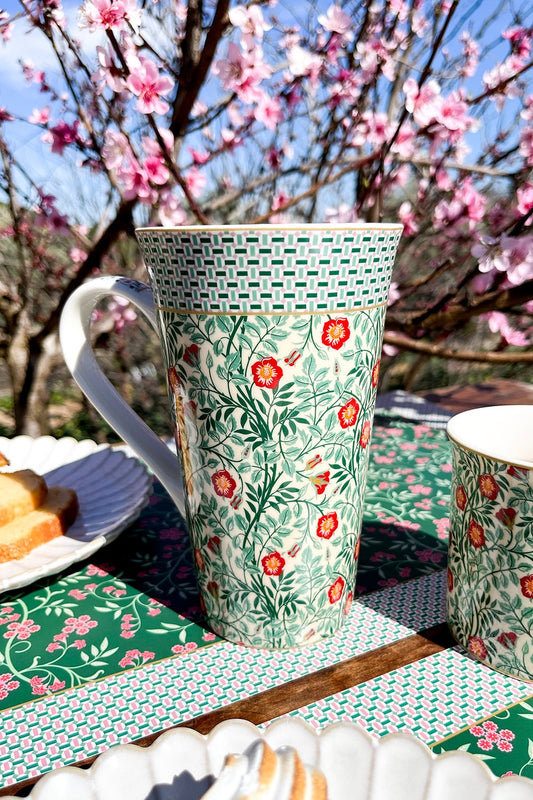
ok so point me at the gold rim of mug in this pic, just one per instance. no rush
(528, 465)
(289, 226)
(281, 313)
(484, 661)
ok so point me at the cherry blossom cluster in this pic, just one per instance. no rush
(364, 91)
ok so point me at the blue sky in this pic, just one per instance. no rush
(21, 99)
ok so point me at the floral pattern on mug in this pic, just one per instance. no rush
(277, 454)
(490, 588)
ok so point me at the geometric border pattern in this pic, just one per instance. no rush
(431, 698)
(268, 270)
(64, 728)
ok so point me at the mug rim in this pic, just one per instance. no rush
(488, 452)
(287, 226)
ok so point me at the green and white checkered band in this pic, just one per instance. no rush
(267, 269)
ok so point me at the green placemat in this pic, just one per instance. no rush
(137, 601)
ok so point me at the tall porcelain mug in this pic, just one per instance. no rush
(271, 340)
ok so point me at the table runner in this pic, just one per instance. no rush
(122, 649)
(449, 701)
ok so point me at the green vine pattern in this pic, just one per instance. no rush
(273, 415)
(490, 576)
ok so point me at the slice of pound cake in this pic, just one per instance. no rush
(20, 492)
(52, 518)
(261, 773)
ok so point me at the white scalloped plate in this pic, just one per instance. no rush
(180, 765)
(112, 489)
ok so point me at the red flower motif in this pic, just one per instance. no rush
(476, 645)
(348, 603)
(507, 516)
(173, 379)
(357, 548)
(375, 374)
(335, 590)
(476, 534)
(517, 472)
(348, 413)
(488, 487)
(191, 354)
(320, 481)
(460, 497)
(273, 563)
(212, 588)
(526, 584)
(223, 484)
(507, 639)
(504, 745)
(335, 332)
(199, 559)
(485, 744)
(365, 434)
(450, 580)
(327, 525)
(214, 544)
(267, 373)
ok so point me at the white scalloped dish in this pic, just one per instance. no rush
(112, 489)
(181, 764)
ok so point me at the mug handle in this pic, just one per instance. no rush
(74, 335)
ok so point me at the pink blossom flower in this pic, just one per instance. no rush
(406, 215)
(79, 644)
(268, 111)
(338, 21)
(171, 212)
(77, 594)
(136, 182)
(505, 733)
(21, 630)
(504, 745)
(94, 570)
(108, 73)
(37, 686)
(146, 82)
(498, 323)
(303, 63)
(251, 22)
(195, 181)
(62, 135)
(109, 14)
(242, 72)
(81, 624)
(127, 634)
(40, 116)
(116, 148)
(422, 102)
(471, 52)
(526, 145)
(485, 744)
(525, 200)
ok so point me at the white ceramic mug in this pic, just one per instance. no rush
(271, 339)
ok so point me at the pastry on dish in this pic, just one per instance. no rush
(20, 492)
(261, 773)
(50, 519)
